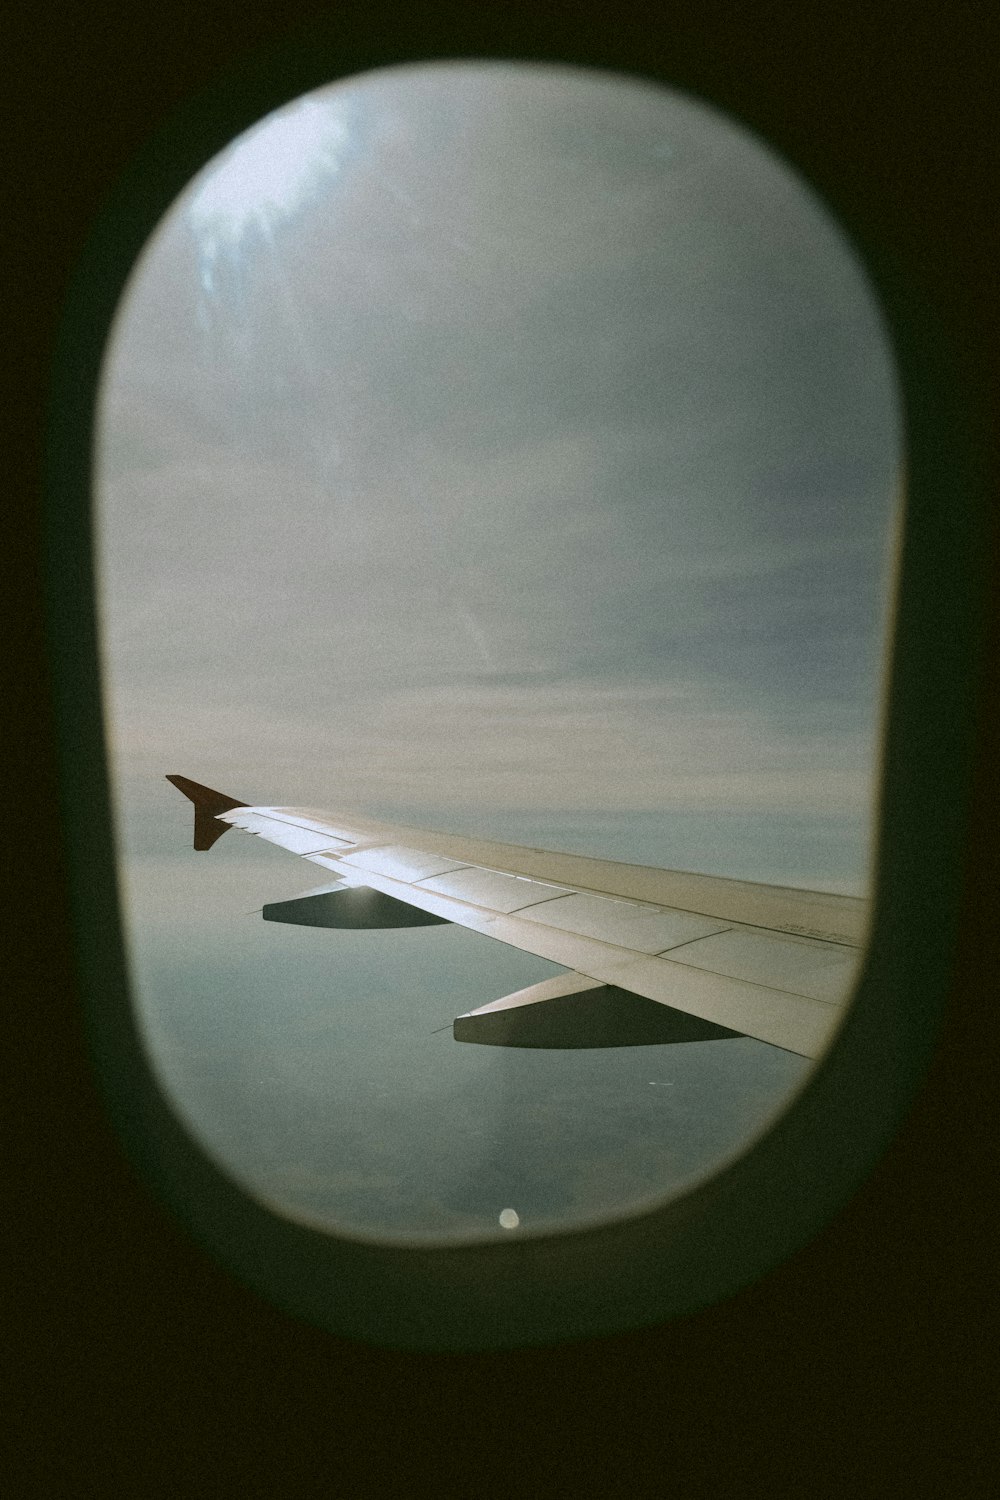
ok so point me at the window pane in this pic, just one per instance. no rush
(508, 451)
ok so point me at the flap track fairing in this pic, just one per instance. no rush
(574, 1011)
(355, 906)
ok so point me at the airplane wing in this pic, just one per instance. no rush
(653, 955)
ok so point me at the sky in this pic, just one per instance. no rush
(508, 450)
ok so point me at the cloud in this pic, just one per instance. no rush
(540, 461)
(576, 746)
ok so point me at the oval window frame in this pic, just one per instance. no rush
(729, 1230)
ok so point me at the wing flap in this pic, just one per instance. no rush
(643, 929)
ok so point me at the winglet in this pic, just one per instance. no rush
(207, 805)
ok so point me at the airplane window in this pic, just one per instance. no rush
(510, 452)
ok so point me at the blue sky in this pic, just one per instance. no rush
(509, 450)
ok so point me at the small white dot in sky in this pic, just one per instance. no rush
(508, 1219)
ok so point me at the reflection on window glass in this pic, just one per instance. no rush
(507, 451)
